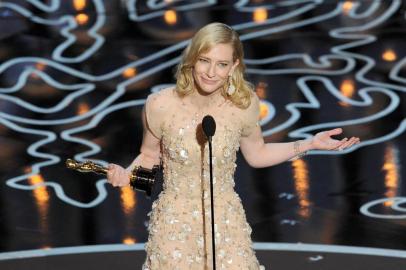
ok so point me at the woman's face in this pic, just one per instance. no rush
(212, 68)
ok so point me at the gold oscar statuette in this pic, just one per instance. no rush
(141, 178)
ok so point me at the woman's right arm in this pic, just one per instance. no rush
(150, 154)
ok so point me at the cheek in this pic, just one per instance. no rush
(223, 73)
(197, 69)
(195, 73)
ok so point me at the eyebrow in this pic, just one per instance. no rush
(222, 61)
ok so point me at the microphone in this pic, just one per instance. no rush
(209, 126)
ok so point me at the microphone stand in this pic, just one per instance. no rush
(213, 241)
(209, 128)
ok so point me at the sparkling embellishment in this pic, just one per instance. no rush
(195, 214)
(200, 241)
(172, 236)
(176, 254)
(226, 152)
(183, 154)
(186, 227)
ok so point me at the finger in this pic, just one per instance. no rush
(109, 176)
(113, 174)
(343, 141)
(336, 145)
(339, 144)
(124, 174)
(114, 177)
(344, 146)
(121, 179)
(349, 143)
(352, 142)
(125, 178)
(114, 183)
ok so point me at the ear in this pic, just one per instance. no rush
(234, 66)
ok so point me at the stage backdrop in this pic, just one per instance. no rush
(74, 76)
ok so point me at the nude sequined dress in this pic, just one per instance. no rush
(179, 226)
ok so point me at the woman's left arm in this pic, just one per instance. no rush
(259, 154)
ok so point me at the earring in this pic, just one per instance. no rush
(231, 87)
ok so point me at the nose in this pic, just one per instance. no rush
(211, 72)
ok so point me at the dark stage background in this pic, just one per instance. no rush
(74, 76)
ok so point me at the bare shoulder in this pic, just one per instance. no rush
(253, 104)
(250, 116)
(163, 97)
(157, 107)
(254, 100)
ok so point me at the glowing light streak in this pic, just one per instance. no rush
(347, 6)
(79, 4)
(129, 240)
(389, 55)
(40, 66)
(263, 110)
(170, 17)
(301, 178)
(391, 169)
(40, 192)
(260, 15)
(347, 89)
(83, 108)
(129, 72)
(82, 18)
(41, 196)
(128, 199)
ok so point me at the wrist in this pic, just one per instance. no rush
(300, 148)
(306, 145)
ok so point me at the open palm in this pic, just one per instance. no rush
(324, 141)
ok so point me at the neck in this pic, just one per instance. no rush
(204, 100)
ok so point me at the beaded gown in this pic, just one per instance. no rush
(180, 220)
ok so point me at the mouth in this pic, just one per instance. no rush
(207, 81)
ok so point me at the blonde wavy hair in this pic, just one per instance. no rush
(207, 37)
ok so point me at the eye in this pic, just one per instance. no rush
(223, 65)
(203, 60)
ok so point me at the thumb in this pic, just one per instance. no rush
(335, 131)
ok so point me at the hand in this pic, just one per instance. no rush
(323, 140)
(117, 176)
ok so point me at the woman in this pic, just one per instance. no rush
(209, 82)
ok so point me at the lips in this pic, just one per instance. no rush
(206, 81)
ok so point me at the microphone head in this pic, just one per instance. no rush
(209, 125)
